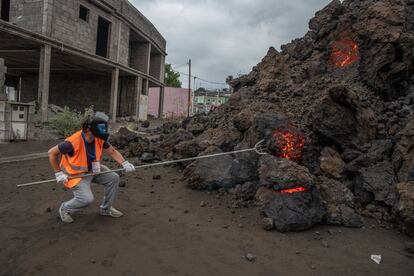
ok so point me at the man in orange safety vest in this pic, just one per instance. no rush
(81, 153)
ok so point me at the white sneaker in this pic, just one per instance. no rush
(65, 216)
(111, 212)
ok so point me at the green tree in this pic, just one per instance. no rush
(229, 79)
(172, 78)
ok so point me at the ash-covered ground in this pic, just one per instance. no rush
(168, 229)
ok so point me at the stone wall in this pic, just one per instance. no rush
(3, 71)
(69, 28)
(124, 45)
(61, 21)
(75, 90)
(156, 66)
(127, 96)
(27, 14)
(142, 23)
(4, 121)
(139, 55)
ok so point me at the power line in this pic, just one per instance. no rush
(179, 66)
(212, 82)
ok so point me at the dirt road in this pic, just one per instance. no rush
(165, 231)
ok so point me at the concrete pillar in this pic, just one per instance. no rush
(162, 73)
(44, 78)
(161, 103)
(114, 93)
(145, 87)
(3, 71)
(148, 60)
(138, 91)
(118, 47)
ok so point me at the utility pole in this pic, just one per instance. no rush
(193, 98)
(189, 87)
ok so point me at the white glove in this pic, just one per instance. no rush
(61, 177)
(128, 167)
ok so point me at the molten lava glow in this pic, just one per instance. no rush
(293, 190)
(344, 52)
(290, 145)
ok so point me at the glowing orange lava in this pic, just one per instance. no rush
(344, 52)
(293, 190)
(290, 145)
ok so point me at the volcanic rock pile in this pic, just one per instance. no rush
(347, 86)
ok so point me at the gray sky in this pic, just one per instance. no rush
(226, 37)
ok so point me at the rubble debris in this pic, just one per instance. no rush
(404, 208)
(376, 258)
(340, 202)
(331, 163)
(290, 211)
(325, 244)
(146, 124)
(244, 192)
(379, 181)
(409, 246)
(268, 224)
(250, 257)
(347, 89)
(170, 127)
(221, 172)
(403, 156)
(123, 138)
(149, 157)
(138, 148)
(168, 142)
(55, 108)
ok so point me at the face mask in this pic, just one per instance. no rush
(100, 131)
(99, 126)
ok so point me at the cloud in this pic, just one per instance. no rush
(226, 37)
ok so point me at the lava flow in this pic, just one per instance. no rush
(345, 52)
(293, 190)
(290, 144)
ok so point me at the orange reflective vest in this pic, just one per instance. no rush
(78, 163)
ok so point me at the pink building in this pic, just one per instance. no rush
(175, 102)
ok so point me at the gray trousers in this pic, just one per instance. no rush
(83, 194)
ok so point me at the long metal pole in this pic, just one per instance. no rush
(189, 88)
(256, 148)
(193, 96)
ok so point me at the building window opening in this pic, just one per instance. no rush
(84, 13)
(102, 41)
(5, 10)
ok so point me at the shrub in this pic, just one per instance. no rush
(68, 122)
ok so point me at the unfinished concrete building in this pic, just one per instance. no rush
(79, 53)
